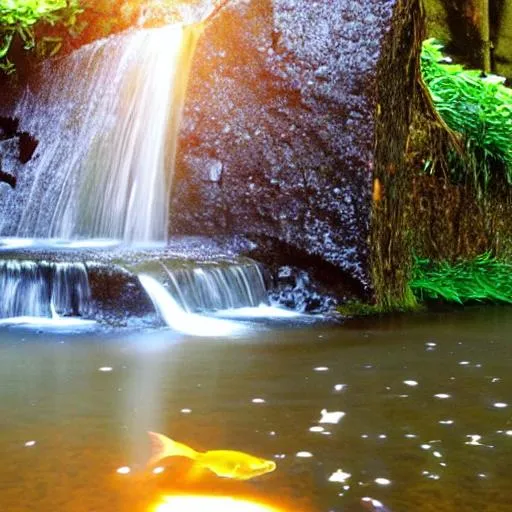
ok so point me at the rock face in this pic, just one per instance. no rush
(278, 134)
(15, 147)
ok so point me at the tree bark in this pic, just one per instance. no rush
(485, 35)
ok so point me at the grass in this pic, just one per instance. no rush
(479, 108)
(483, 279)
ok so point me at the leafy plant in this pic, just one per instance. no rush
(483, 279)
(19, 18)
(479, 108)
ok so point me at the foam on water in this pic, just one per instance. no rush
(49, 323)
(261, 311)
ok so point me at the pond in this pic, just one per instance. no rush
(426, 425)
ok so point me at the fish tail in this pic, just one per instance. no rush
(163, 447)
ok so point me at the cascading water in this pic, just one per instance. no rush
(211, 288)
(107, 118)
(43, 289)
(234, 290)
(174, 316)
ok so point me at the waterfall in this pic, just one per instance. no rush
(217, 287)
(234, 291)
(178, 319)
(106, 118)
(43, 289)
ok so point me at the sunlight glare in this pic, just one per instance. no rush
(210, 504)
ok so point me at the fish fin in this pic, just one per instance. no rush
(163, 447)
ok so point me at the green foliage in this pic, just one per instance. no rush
(20, 18)
(479, 108)
(483, 279)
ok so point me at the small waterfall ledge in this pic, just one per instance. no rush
(110, 285)
(43, 289)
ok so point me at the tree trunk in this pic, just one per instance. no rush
(485, 35)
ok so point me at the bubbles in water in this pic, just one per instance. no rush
(304, 455)
(331, 417)
(29, 444)
(124, 470)
(204, 503)
(339, 476)
(321, 369)
(105, 369)
(382, 481)
(442, 396)
(258, 401)
(500, 405)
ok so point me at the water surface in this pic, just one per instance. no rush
(74, 408)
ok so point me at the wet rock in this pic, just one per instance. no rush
(209, 169)
(27, 147)
(8, 127)
(15, 148)
(117, 295)
(283, 93)
(294, 289)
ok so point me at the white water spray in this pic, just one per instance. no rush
(107, 119)
(178, 319)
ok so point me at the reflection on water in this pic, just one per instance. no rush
(210, 504)
(415, 413)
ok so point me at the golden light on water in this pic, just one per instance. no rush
(211, 504)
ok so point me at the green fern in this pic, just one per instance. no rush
(483, 279)
(477, 107)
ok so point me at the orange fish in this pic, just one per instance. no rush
(224, 463)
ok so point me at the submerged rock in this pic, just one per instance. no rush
(277, 139)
